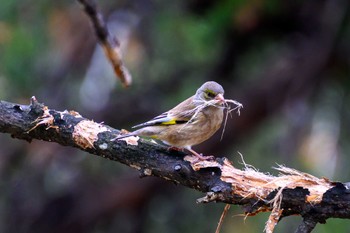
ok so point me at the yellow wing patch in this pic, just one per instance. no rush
(171, 122)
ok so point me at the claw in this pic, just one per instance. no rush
(200, 156)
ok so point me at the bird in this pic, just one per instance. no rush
(191, 122)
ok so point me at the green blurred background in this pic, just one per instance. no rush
(287, 62)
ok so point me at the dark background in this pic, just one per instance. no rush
(287, 62)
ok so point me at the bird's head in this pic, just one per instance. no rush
(210, 91)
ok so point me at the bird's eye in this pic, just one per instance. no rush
(210, 94)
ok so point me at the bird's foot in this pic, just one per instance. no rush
(201, 157)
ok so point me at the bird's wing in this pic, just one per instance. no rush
(180, 114)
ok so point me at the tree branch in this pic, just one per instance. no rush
(292, 192)
(307, 225)
(110, 45)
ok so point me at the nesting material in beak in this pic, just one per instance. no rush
(220, 98)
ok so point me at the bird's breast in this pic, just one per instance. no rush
(199, 129)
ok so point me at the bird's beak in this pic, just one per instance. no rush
(220, 98)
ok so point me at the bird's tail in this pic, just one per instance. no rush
(121, 136)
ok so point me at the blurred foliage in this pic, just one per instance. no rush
(288, 62)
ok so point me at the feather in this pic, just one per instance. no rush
(180, 114)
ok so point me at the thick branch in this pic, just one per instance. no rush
(291, 193)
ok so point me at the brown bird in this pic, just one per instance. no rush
(191, 122)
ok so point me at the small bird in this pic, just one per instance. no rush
(190, 123)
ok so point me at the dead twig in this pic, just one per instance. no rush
(110, 45)
(223, 215)
(306, 226)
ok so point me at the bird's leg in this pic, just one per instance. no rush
(200, 156)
